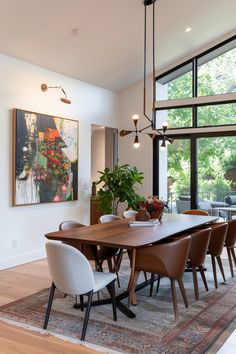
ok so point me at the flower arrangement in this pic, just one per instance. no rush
(154, 206)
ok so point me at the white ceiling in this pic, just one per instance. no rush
(107, 49)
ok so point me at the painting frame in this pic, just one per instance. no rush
(45, 158)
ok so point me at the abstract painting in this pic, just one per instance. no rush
(45, 159)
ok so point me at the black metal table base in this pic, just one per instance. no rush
(122, 307)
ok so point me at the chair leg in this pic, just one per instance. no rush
(158, 283)
(221, 267)
(182, 289)
(151, 284)
(110, 267)
(195, 282)
(174, 299)
(51, 296)
(81, 299)
(201, 269)
(214, 271)
(86, 317)
(230, 262)
(118, 258)
(111, 290)
(233, 254)
(116, 267)
(145, 276)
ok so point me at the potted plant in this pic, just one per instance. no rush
(118, 186)
(154, 206)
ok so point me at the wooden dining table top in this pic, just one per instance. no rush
(119, 234)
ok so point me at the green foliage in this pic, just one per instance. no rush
(118, 186)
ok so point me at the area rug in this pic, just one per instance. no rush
(152, 331)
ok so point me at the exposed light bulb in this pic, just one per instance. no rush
(136, 143)
(135, 117)
(165, 124)
(163, 144)
(188, 29)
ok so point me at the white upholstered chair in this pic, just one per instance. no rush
(129, 214)
(118, 257)
(108, 218)
(72, 274)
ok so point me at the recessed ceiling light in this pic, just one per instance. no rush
(101, 127)
(188, 29)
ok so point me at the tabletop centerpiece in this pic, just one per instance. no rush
(151, 208)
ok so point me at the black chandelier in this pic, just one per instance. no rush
(155, 132)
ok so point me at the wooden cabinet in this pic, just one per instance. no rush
(94, 213)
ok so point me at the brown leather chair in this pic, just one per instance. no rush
(215, 248)
(195, 212)
(197, 254)
(166, 259)
(230, 242)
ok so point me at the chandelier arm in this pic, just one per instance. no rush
(160, 132)
(148, 118)
(141, 130)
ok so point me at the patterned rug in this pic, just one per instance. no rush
(152, 331)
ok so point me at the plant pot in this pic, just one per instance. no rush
(142, 215)
(155, 215)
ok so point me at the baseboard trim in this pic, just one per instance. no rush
(22, 259)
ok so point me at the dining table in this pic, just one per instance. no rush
(119, 234)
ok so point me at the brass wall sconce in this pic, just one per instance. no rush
(45, 87)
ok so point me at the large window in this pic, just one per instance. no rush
(198, 100)
(207, 82)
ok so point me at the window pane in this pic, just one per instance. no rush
(178, 175)
(176, 117)
(177, 84)
(216, 171)
(217, 115)
(217, 75)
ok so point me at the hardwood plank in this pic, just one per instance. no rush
(17, 340)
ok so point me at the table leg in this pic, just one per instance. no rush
(132, 296)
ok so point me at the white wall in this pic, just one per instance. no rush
(98, 154)
(23, 228)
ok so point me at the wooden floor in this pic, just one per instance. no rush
(16, 283)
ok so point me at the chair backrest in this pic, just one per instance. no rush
(108, 218)
(69, 224)
(129, 213)
(85, 249)
(199, 246)
(196, 212)
(230, 239)
(217, 240)
(166, 259)
(69, 269)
